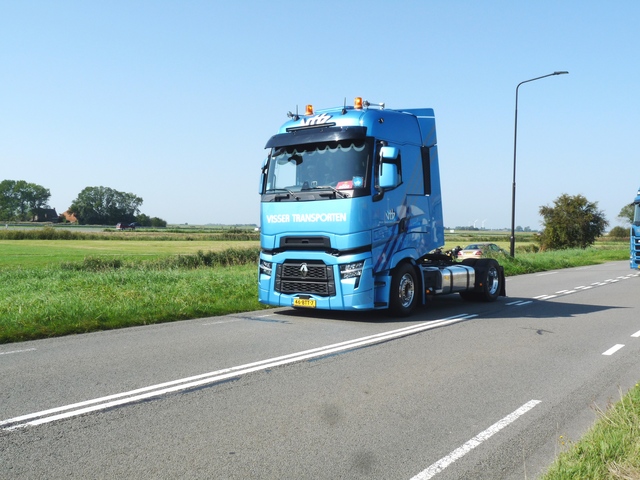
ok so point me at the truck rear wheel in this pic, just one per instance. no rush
(403, 295)
(489, 281)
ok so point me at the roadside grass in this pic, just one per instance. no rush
(611, 448)
(106, 293)
(524, 263)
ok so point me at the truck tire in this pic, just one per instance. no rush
(489, 279)
(403, 295)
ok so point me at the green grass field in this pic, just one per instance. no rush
(44, 253)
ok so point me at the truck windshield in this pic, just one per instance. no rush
(636, 214)
(341, 168)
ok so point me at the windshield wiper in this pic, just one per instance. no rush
(289, 193)
(337, 192)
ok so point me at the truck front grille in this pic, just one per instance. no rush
(305, 277)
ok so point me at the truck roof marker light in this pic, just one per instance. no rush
(357, 103)
(309, 110)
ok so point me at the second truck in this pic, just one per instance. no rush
(351, 215)
(634, 256)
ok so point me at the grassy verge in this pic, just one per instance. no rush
(105, 293)
(45, 291)
(610, 450)
(544, 261)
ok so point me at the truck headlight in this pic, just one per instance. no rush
(351, 270)
(265, 267)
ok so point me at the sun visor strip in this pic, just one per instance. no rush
(315, 135)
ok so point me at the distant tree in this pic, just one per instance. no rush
(105, 206)
(619, 232)
(146, 221)
(143, 220)
(573, 222)
(158, 222)
(19, 199)
(626, 214)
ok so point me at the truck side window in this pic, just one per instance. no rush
(426, 169)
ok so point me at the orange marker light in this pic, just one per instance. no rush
(309, 110)
(357, 103)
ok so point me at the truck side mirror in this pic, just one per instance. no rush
(263, 176)
(389, 177)
(389, 153)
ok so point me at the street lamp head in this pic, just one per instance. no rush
(559, 73)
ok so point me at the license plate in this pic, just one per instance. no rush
(304, 302)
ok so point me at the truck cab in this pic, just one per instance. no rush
(350, 209)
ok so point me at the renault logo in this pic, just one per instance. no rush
(304, 270)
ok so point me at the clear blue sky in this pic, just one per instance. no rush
(175, 100)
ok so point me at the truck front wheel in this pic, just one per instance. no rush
(403, 295)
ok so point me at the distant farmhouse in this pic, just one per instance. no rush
(69, 217)
(45, 215)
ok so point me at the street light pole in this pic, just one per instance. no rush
(515, 139)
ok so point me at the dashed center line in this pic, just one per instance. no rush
(583, 287)
(520, 303)
(613, 349)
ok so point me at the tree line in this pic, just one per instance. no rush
(21, 201)
(572, 221)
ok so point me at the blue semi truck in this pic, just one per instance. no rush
(351, 215)
(634, 256)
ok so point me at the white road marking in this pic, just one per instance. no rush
(613, 349)
(636, 335)
(460, 452)
(520, 303)
(583, 287)
(221, 322)
(18, 351)
(238, 319)
(546, 297)
(110, 401)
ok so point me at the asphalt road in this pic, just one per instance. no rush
(458, 391)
